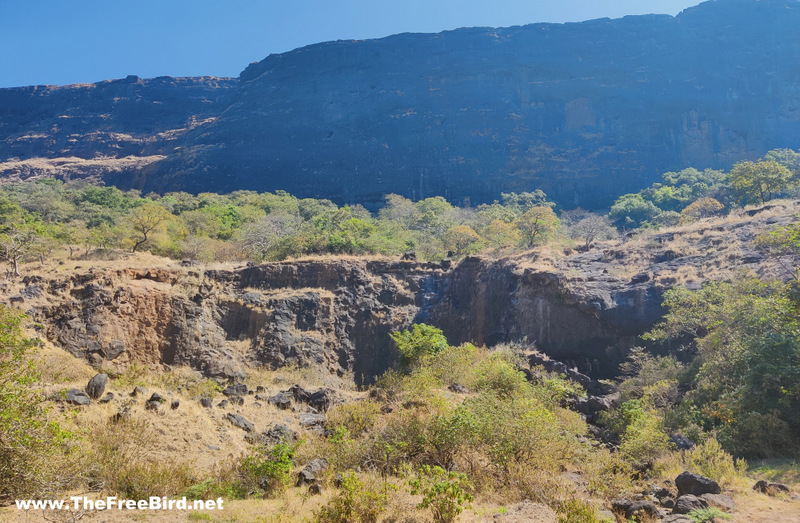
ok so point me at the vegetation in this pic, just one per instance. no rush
(32, 448)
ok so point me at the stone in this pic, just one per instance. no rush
(206, 402)
(96, 386)
(315, 489)
(721, 501)
(236, 400)
(321, 399)
(695, 484)
(78, 397)
(638, 508)
(152, 405)
(311, 420)
(237, 389)
(107, 398)
(222, 404)
(309, 473)
(157, 397)
(240, 421)
(114, 350)
(677, 518)
(681, 442)
(770, 489)
(687, 503)
(175, 404)
(281, 400)
(621, 505)
(139, 391)
(300, 394)
(458, 388)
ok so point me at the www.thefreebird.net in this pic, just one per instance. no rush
(115, 503)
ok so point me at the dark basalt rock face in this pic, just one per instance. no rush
(584, 111)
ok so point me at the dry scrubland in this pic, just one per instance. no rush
(525, 454)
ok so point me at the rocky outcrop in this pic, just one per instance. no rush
(584, 111)
(585, 309)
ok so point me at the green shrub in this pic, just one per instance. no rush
(33, 450)
(445, 493)
(268, 468)
(418, 343)
(711, 460)
(356, 502)
(577, 511)
(357, 417)
(700, 515)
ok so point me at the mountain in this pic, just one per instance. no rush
(584, 111)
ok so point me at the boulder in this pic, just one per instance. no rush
(321, 399)
(688, 503)
(97, 386)
(300, 394)
(770, 489)
(281, 400)
(78, 397)
(695, 484)
(206, 402)
(237, 420)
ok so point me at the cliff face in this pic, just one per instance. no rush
(584, 308)
(584, 111)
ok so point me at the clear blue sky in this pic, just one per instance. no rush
(75, 41)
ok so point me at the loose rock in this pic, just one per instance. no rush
(695, 484)
(96, 386)
(78, 397)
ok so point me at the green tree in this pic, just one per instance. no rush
(146, 220)
(632, 211)
(758, 182)
(460, 238)
(537, 225)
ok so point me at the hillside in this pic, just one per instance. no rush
(584, 111)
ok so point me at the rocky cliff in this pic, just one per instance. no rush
(584, 111)
(585, 308)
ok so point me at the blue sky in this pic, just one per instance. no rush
(75, 41)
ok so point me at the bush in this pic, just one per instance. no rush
(577, 511)
(443, 492)
(417, 343)
(29, 443)
(711, 460)
(268, 469)
(356, 502)
(357, 417)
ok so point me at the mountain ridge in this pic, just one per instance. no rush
(584, 111)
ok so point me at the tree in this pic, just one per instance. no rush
(460, 238)
(758, 182)
(632, 210)
(263, 238)
(592, 227)
(537, 225)
(145, 220)
(17, 241)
